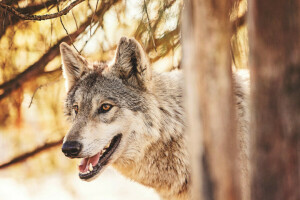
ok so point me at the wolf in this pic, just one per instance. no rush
(125, 115)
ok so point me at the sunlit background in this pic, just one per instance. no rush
(32, 112)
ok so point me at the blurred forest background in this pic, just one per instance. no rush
(32, 90)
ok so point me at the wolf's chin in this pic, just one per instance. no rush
(91, 166)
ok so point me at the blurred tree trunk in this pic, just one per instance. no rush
(209, 99)
(274, 30)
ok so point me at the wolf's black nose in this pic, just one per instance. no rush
(71, 148)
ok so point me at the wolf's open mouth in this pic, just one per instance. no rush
(91, 166)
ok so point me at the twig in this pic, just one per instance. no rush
(93, 18)
(45, 5)
(74, 19)
(89, 38)
(65, 28)
(58, 69)
(30, 9)
(163, 54)
(40, 17)
(160, 17)
(167, 37)
(39, 87)
(51, 32)
(27, 155)
(150, 29)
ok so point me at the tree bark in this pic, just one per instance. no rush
(209, 99)
(274, 29)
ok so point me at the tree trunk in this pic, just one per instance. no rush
(274, 30)
(209, 99)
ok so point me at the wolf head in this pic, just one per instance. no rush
(105, 103)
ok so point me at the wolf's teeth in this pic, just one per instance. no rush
(106, 147)
(88, 172)
(91, 167)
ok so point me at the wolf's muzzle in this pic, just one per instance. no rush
(71, 148)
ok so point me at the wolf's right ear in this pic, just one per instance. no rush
(73, 65)
(131, 64)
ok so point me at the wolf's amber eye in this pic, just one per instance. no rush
(75, 108)
(105, 108)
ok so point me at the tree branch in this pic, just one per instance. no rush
(34, 152)
(37, 68)
(32, 8)
(168, 36)
(149, 23)
(66, 29)
(11, 20)
(163, 54)
(40, 17)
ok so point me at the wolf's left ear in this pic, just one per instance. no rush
(73, 65)
(131, 63)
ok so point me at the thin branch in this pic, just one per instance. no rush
(37, 68)
(74, 19)
(45, 5)
(59, 69)
(141, 25)
(66, 28)
(93, 18)
(163, 54)
(34, 152)
(51, 32)
(33, 7)
(150, 28)
(36, 89)
(89, 38)
(139, 30)
(43, 85)
(160, 17)
(30, 9)
(168, 36)
(40, 17)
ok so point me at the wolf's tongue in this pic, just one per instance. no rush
(94, 159)
(84, 165)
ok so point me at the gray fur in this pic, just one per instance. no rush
(148, 111)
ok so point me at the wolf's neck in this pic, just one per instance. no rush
(164, 167)
(163, 163)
